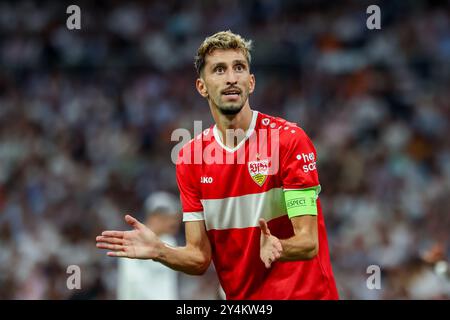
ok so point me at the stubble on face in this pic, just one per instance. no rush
(228, 97)
(231, 107)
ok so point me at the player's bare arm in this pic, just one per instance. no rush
(142, 243)
(195, 257)
(304, 245)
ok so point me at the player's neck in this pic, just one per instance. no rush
(241, 121)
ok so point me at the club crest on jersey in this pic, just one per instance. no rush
(259, 171)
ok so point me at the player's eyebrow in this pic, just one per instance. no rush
(223, 64)
(243, 62)
(218, 64)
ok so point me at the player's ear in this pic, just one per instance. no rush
(252, 83)
(201, 87)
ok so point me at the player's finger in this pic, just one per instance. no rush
(264, 228)
(133, 222)
(120, 254)
(110, 240)
(108, 246)
(276, 254)
(278, 246)
(116, 234)
(272, 257)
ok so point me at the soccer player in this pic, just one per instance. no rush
(256, 214)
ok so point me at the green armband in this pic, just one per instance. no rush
(301, 202)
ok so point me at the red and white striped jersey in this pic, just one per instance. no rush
(244, 184)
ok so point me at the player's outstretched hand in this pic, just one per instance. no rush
(139, 243)
(270, 246)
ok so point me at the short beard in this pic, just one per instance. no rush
(229, 111)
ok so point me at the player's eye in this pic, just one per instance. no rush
(239, 67)
(219, 69)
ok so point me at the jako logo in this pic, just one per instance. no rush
(206, 180)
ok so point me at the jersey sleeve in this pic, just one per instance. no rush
(189, 191)
(299, 174)
(298, 161)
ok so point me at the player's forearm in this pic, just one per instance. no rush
(186, 259)
(299, 247)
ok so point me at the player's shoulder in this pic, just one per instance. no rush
(288, 131)
(196, 144)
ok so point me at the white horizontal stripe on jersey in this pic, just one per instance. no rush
(193, 216)
(243, 211)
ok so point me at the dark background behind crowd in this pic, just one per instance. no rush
(86, 118)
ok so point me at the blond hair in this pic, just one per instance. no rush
(222, 40)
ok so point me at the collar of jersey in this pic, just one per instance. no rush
(240, 144)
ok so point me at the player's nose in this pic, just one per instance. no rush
(231, 78)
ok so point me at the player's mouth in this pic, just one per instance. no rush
(231, 94)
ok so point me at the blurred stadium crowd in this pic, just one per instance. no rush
(86, 118)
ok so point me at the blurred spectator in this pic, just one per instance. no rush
(150, 280)
(86, 118)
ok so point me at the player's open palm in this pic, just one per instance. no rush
(271, 247)
(139, 243)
